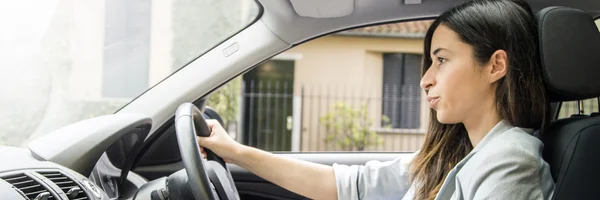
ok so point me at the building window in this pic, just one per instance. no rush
(401, 90)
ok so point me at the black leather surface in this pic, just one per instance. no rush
(570, 52)
(190, 153)
(572, 148)
(570, 47)
(189, 123)
(178, 188)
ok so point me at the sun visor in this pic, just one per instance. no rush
(323, 8)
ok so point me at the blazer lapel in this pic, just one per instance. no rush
(449, 185)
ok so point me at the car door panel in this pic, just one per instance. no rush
(251, 186)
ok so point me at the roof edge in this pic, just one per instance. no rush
(384, 35)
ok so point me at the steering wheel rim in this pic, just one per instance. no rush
(189, 123)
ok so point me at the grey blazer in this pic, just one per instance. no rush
(506, 164)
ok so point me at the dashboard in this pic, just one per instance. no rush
(87, 160)
(24, 177)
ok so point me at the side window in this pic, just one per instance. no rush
(569, 108)
(356, 90)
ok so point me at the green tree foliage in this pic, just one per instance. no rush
(226, 100)
(350, 128)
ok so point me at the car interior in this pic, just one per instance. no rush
(569, 142)
(148, 150)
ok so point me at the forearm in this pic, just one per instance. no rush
(311, 180)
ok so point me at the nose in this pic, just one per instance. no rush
(428, 79)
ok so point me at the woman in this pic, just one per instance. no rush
(485, 91)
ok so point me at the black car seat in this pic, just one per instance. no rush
(569, 44)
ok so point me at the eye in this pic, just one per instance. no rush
(441, 60)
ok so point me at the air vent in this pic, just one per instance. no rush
(66, 184)
(28, 186)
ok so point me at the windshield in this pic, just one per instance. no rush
(63, 61)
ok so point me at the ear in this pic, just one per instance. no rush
(498, 66)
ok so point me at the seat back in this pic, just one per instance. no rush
(570, 54)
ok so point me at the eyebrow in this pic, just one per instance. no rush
(436, 51)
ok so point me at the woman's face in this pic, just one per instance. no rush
(457, 86)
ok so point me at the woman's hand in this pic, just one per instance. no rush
(219, 142)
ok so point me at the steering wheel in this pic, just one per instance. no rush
(189, 123)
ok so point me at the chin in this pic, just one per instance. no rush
(445, 118)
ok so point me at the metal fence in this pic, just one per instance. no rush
(274, 117)
(330, 117)
(266, 112)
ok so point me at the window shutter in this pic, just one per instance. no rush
(392, 88)
(401, 90)
(411, 95)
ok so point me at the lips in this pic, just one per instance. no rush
(432, 101)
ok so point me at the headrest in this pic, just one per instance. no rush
(570, 51)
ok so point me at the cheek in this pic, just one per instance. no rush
(448, 109)
(461, 87)
(453, 86)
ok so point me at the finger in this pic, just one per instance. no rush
(203, 152)
(211, 123)
(201, 141)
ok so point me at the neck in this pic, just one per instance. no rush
(479, 126)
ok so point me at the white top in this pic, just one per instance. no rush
(506, 164)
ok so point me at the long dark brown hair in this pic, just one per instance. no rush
(487, 26)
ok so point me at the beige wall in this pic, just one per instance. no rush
(337, 55)
(345, 66)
